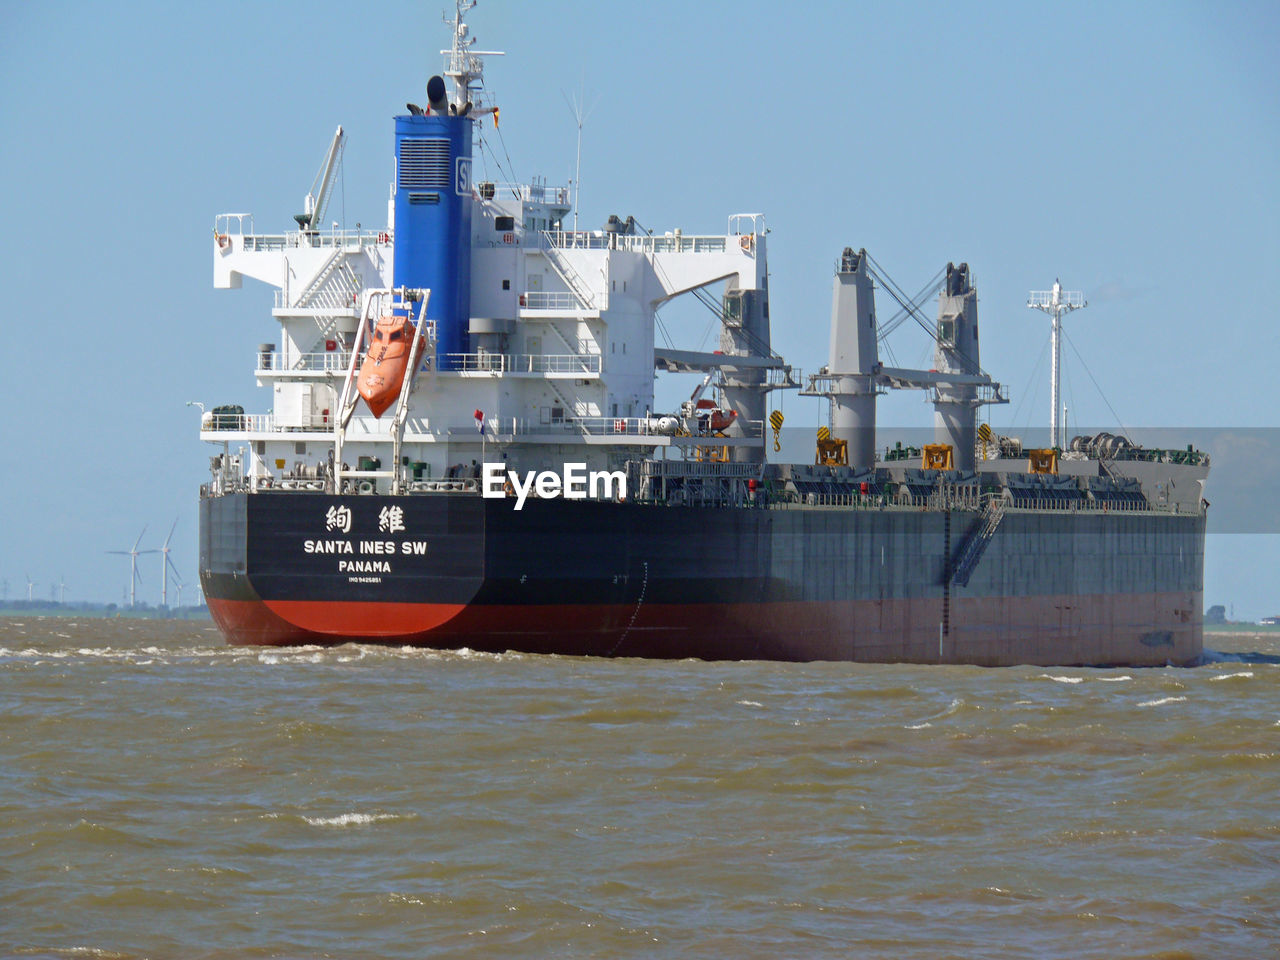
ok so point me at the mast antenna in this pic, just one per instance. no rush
(576, 107)
(463, 65)
(1055, 303)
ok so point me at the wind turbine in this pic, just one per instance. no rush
(30, 583)
(62, 591)
(166, 565)
(133, 555)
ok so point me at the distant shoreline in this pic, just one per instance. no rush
(1242, 629)
(105, 612)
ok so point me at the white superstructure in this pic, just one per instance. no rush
(561, 357)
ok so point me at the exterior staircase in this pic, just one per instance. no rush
(339, 293)
(975, 544)
(564, 269)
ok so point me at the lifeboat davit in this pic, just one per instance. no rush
(386, 363)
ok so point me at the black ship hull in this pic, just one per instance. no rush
(789, 582)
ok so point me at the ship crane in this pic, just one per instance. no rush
(317, 199)
(854, 376)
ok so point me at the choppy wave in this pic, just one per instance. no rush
(1162, 701)
(351, 819)
(188, 798)
(927, 722)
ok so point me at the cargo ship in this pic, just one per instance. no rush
(463, 450)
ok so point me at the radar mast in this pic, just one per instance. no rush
(462, 65)
(1056, 302)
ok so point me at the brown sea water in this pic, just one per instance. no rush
(163, 795)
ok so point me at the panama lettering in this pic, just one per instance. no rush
(365, 556)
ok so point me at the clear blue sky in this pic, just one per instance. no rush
(1131, 149)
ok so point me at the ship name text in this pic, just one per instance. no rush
(408, 548)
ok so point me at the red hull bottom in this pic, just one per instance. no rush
(1151, 629)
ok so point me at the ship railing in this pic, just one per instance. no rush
(232, 224)
(332, 361)
(549, 300)
(854, 500)
(229, 228)
(339, 302)
(638, 243)
(1190, 457)
(595, 426)
(524, 363)
(300, 239)
(643, 426)
(1039, 505)
(529, 192)
(695, 470)
(674, 243)
(936, 502)
(360, 428)
(1044, 298)
(223, 486)
(560, 363)
(849, 501)
(445, 485)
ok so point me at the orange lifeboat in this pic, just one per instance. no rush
(722, 419)
(386, 363)
(713, 418)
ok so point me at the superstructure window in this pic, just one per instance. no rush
(504, 224)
